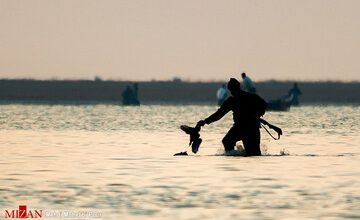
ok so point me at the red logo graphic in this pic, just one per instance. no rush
(22, 212)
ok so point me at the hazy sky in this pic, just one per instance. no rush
(191, 39)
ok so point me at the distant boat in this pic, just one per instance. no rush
(280, 104)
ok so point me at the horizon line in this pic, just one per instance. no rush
(176, 79)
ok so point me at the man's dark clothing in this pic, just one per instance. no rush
(247, 109)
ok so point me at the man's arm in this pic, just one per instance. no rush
(217, 115)
(225, 108)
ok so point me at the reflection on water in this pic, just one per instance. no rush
(118, 161)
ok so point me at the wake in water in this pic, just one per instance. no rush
(240, 152)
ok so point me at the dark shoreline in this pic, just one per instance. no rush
(166, 92)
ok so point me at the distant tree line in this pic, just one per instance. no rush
(173, 91)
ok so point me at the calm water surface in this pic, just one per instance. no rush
(117, 162)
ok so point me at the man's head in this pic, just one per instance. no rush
(233, 86)
(243, 75)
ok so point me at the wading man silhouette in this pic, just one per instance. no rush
(247, 109)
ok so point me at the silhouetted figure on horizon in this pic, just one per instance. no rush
(221, 94)
(248, 84)
(247, 109)
(130, 95)
(295, 92)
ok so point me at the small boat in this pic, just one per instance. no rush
(280, 104)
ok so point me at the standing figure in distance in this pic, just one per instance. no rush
(295, 92)
(130, 95)
(221, 94)
(248, 84)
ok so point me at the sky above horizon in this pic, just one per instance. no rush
(190, 39)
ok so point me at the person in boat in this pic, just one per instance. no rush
(295, 92)
(130, 95)
(247, 109)
(248, 84)
(221, 94)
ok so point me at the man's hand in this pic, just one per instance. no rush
(200, 123)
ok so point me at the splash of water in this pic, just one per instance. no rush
(284, 152)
